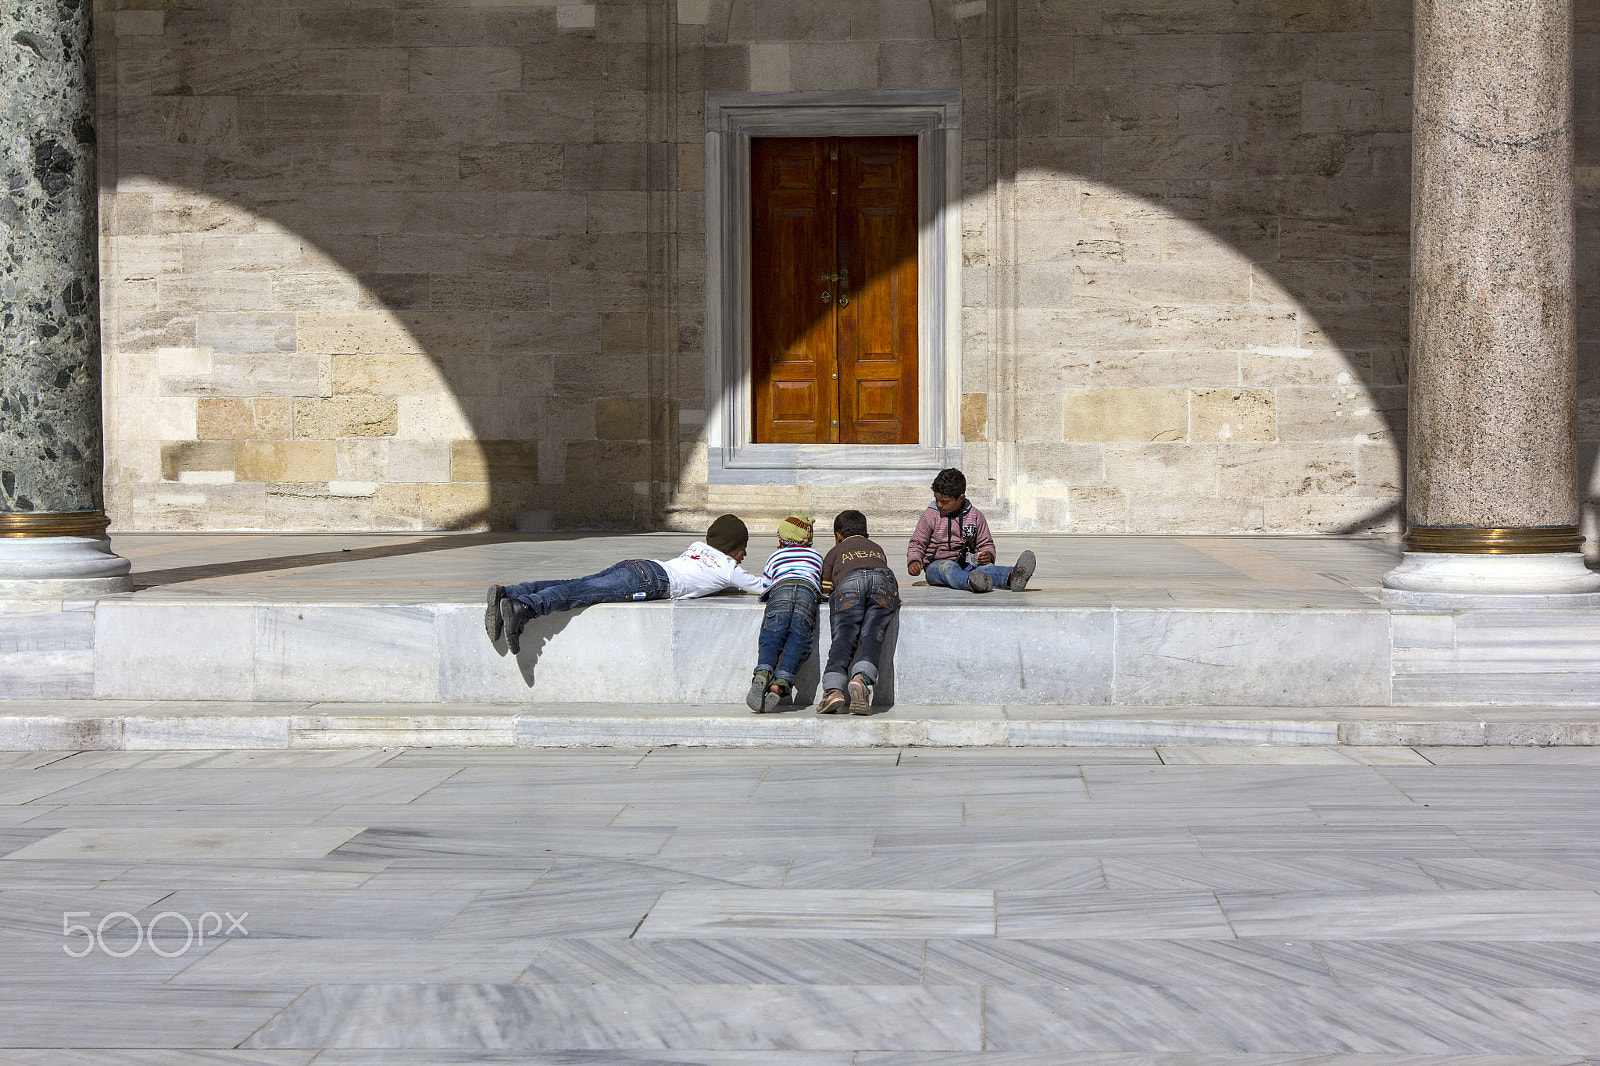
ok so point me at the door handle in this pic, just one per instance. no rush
(826, 295)
(844, 299)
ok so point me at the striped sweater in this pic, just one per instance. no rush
(794, 562)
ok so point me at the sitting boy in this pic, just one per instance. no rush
(864, 599)
(789, 628)
(953, 546)
(704, 567)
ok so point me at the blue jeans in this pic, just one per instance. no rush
(863, 604)
(788, 631)
(635, 579)
(952, 575)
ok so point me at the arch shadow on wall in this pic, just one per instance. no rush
(535, 276)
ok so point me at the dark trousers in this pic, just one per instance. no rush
(862, 606)
(788, 630)
(635, 579)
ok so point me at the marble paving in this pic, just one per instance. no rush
(1301, 906)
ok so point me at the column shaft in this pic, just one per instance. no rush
(51, 510)
(1493, 372)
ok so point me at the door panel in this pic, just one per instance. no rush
(791, 243)
(834, 290)
(878, 331)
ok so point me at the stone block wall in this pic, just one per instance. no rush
(415, 264)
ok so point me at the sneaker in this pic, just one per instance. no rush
(491, 612)
(1022, 572)
(978, 581)
(513, 616)
(756, 698)
(860, 695)
(833, 702)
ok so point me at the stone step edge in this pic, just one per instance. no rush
(189, 729)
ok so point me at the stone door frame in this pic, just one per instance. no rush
(934, 118)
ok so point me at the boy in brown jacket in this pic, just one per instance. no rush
(864, 597)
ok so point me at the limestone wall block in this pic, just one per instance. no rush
(975, 416)
(386, 375)
(605, 166)
(1142, 199)
(153, 418)
(288, 460)
(200, 120)
(622, 418)
(1330, 514)
(1039, 417)
(1045, 198)
(319, 507)
(413, 461)
(315, 292)
(1275, 471)
(197, 461)
(384, 333)
(1095, 509)
(1092, 329)
(433, 417)
(360, 462)
(1156, 468)
(1066, 155)
(918, 64)
(1295, 366)
(463, 70)
(130, 373)
(450, 506)
(1142, 284)
(197, 507)
(247, 332)
(228, 418)
(214, 291)
(1195, 513)
(131, 462)
(345, 416)
(1220, 240)
(313, 118)
(1218, 328)
(1064, 464)
(1347, 412)
(1380, 471)
(494, 460)
(1310, 15)
(550, 116)
(351, 70)
(135, 256)
(543, 212)
(1233, 415)
(1147, 369)
(511, 166)
(1126, 414)
(592, 461)
(1046, 284)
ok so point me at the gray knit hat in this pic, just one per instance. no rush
(728, 534)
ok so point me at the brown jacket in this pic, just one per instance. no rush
(852, 553)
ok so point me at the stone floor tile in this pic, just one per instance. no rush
(1283, 870)
(280, 785)
(234, 842)
(730, 960)
(946, 872)
(1112, 962)
(1243, 785)
(32, 785)
(1464, 964)
(113, 1014)
(1393, 839)
(189, 815)
(301, 913)
(684, 872)
(1289, 1019)
(1505, 755)
(1454, 914)
(1252, 755)
(533, 1057)
(1062, 840)
(768, 843)
(1509, 868)
(509, 842)
(299, 963)
(1110, 915)
(163, 1057)
(550, 912)
(819, 912)
(746, 1017)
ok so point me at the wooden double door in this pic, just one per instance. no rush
(834, 290)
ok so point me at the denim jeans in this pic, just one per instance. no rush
(863, 604)
(635, 579)
(952, 575)
(788, 631)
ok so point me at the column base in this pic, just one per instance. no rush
(58, 567)
(1444, 579)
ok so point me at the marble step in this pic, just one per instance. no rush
(62, 725)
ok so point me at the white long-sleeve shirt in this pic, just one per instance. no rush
(702, 570)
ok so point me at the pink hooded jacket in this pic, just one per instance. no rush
(938, 537)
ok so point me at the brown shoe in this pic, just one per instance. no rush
(860, 695)
(833, 702)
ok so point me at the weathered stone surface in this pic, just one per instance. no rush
(50, 436)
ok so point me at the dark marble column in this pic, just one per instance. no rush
(52, 521)
(1491, 494)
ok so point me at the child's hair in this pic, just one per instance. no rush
(850, 524)
(950, 482)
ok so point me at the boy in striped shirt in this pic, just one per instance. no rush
(789, 628)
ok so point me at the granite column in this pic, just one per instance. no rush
(1492, 495)
(52, 520)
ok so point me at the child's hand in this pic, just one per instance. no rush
(985, 558)
(914, 567)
